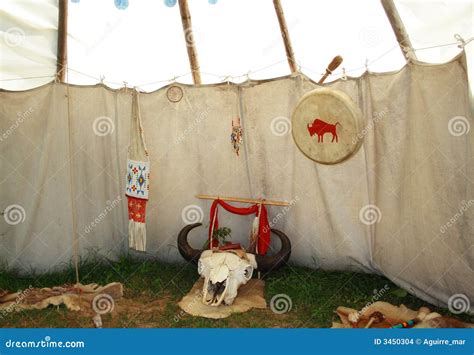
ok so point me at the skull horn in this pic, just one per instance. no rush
(186, 251)
(273, 262)
(264, 263)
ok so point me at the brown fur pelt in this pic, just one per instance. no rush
(72, 296)
(386, 315)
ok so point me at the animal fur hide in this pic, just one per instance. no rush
(393, 315)
(72, 296)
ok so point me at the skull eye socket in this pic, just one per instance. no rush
(200, 267)
(248, 271)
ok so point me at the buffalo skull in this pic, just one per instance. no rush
(225, 272)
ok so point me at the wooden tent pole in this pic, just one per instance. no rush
(62, 40)
(245, 200)
(189, 39)
(286, 36)
(398, 28)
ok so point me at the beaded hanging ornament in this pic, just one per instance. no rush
(137, 183)
(236, 136)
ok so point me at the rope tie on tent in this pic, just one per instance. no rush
(248, 76)
(460, 42)
(410, 52)
(227, 79)
(58, 75)
(344, 76)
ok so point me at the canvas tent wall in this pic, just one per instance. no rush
(413, 166)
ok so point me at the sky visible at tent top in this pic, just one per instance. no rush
(144, 44)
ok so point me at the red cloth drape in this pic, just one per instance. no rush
(264, 227)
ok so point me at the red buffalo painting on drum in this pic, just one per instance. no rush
(320, 127)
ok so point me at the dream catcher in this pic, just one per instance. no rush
(236, 136)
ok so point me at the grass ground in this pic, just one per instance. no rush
(152, 290)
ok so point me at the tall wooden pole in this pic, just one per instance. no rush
(189, 38)
(286, 36)
(62, 40)
(398, 28)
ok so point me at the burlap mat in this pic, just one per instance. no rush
(250, 296)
